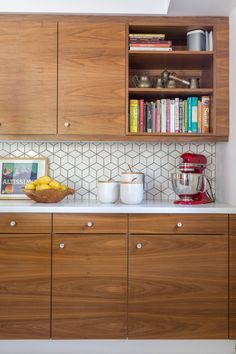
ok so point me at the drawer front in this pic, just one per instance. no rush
(178, 223)
(90, 223)
(25, 223)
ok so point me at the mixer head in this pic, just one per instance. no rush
(194, 163)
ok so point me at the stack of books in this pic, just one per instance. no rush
(190, 115)
(149, 42)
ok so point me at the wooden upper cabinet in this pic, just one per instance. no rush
(28, 77)
(91, 78)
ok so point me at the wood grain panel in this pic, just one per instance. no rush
(25, 223)
(89, 287)
(28, 76)
(25, 263)
(178, 287)
(232, 278)
(167, 223)
(101, 223)
(221, 79)
(92, 78)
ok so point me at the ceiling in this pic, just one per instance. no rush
(136, 7)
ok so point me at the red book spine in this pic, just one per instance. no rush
(157, 45)
(141, 116)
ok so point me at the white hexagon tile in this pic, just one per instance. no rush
(80, 165)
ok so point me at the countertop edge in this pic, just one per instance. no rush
(86, 207)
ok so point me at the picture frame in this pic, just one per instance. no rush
(16, 172)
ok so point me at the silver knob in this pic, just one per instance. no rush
(12, 223)
(62, 245)
(67, 124)
(139, 245)
(89, 223)
(179, 224)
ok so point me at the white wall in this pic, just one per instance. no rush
(86, 6)
(226, 152)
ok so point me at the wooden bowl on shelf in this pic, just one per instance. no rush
(48, 195)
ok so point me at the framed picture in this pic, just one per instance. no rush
(16, 172)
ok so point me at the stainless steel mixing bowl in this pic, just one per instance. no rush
(186, 185)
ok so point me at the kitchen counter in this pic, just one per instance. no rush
(146, 207)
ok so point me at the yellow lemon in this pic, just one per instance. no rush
(30, 186)
(64, 188)
(55, 185)
(35, 182)
(42, 187)
(44, 180)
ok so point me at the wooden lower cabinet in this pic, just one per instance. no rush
(178, 287)
(25, 264)
(89, 290)
(232, 279)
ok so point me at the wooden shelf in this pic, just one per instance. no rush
(145, 92)
(181, 59)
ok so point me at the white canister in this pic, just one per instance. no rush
(131, 192)
(108, 191)
(129, 176)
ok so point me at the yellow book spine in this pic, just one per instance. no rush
(133, 116)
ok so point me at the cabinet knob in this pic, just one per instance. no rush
(90, 223)
(179, 224)
(139, 245)
(67, 124)
(12, 223)
(62, 245)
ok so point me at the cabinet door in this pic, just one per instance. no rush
(232, 279)
(89, 286)
(25, 263)
(178, 287)
(28, 77)
(91, 78)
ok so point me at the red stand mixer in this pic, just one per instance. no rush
(190, 184)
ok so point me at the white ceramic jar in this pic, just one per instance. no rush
(108, 191)
(131, 192)
(129, 176)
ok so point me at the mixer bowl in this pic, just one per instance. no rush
(187, 185)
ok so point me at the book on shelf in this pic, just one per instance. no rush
(134, 116)
(205, 114)
(150, 45)
(149, 41)
(147, 35)
(170, 115)
(153, 49)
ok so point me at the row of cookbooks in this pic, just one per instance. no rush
(149, 42)
(190, 115)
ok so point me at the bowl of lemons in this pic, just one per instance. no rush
(46, 190)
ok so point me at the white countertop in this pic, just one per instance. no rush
(147, 207)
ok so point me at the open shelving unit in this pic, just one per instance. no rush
(204, 65)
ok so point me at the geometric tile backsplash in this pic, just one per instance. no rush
(81, 164)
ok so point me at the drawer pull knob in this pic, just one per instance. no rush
(139, 245)
(67, 124)
(12, 223)
(90, 223)
(62, 245)
(179, 224)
